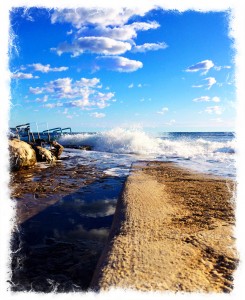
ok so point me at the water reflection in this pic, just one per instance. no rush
(58, 249)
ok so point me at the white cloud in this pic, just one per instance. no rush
(206, 99)
(94, 44)
(202, 99)
(89, 82)
(218, 110)
(97, 16)
(105, 31)
(105, 96)
(210, 81)
(216, 99)
(97, 115)
(163, 111)
(79, 103)
(52, 105)
(36, 90)
(85, 93)
(218, 68)
(122, 33)
(44, 99)
(204, 66)
(61, 86)
(118, 63)
(26, 15)
(21, 75)
(149, 47)
(140, 85)
(46, 68)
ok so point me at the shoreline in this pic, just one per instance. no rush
(63, 217)
(172, 231)
(35, 189)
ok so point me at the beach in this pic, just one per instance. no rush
(172, 231)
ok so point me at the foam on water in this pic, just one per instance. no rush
(117, 140)
(210, 152)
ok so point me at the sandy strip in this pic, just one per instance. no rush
(172, 231)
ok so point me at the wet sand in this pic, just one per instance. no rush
(172, 231)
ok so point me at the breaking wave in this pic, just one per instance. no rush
(127, 141)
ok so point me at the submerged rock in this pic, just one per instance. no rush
(57, 150)
(22, 155)
(44, 155)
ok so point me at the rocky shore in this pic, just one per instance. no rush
(172, 231)
(25, 155)
(64, 212)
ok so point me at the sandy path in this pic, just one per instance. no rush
(172, 231)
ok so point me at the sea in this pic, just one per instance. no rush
(58, 247)
(115, 150)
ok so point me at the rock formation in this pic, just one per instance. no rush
(44, 155)
(57, 150)
(22, 155)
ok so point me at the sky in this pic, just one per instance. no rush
(94, 69)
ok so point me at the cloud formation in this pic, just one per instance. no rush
(97, 115)
(94, 44)
(203, 66)
(122, 33)
(210, 81)
(218, 110)
(106, 32)
(36, 90)
(202, 99)
(149, 47)
(206, 99)
(95, 16)
(20, 75)
(218, 68)
(46, 68)
(84, 93)
(118, 63)
(163, 111)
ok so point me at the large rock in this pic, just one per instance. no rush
(22, 155)
(44, 155)
(57, 149)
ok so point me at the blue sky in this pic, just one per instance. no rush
(95, 69)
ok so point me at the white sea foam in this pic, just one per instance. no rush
(117, 140)
(127, 141)
(115, 150)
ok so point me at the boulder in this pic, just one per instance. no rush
(43, 154)
(22, 155)
(57, 149)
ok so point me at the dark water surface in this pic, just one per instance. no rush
(58, 248)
